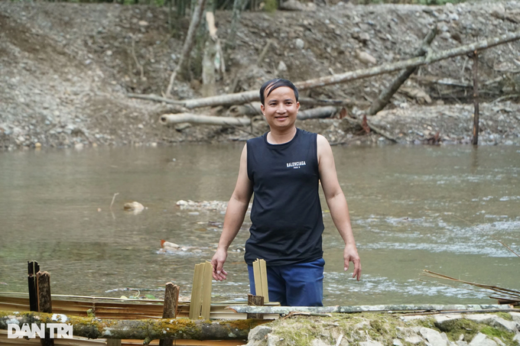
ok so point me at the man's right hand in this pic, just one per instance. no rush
(217, 262)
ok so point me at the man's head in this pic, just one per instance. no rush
(279, 104)
(267, 88)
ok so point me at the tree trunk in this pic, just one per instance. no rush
(188, 43)
(250, 96)
(320, 112)
(387, 94)
(198, 119)
(146, 330)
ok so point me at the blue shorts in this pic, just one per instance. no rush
(299, 284)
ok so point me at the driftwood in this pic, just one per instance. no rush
(167, 119)
(250, 96)
(387, 94)
(147, 330)
(188, 43)
(367, 308)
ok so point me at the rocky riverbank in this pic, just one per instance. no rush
(375, 329)
(66, 70)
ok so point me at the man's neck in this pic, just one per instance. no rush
(281, 137)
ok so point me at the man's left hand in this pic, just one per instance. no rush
(350, 254)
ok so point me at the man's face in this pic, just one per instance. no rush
(280, 108)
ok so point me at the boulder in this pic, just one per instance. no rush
(433, 337)
(482, 340)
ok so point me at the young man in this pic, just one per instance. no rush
(283, 169)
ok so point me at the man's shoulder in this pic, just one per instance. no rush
(256, 140)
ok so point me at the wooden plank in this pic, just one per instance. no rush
(263, 277)
(195, 305)
(113, 342)
(206, 291)
(258, 280)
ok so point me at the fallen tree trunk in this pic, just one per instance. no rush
(338, 103)
(250, 96)
(167, 119)
(146, 330)
(248, 109)
(320, 112)
(387, 94)
(247, 309)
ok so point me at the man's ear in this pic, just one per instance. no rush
(297, 105)
(262, 108)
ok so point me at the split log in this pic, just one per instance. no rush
(250, 96)
(246, 309)
(43, 280)
(171, 302)
(147, 329)
(188, 43)
(387, 94)
(198, 119)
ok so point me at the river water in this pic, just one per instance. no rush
(412, 208)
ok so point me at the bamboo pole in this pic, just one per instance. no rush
(146, 329)
(250, 96)
(367, 308)
(387, 94)
(33, 269)
(474, 140)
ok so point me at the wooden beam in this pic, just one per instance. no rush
(33, 269)
(43, 280)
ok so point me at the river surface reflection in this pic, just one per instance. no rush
(412, 208)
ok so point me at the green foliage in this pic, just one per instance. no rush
(270, 5)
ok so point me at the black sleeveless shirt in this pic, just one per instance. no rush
(286, 213)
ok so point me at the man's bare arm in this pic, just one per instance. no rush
(235, 213)
(337, 204)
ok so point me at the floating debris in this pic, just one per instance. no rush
(134, 207)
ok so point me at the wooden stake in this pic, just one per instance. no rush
(260, 275)
(171, 302)
(195, 304)
(33, 269)
(255, 301)
(43, 280)
(474, 140)
(206, 291)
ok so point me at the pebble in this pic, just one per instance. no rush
(299, 43)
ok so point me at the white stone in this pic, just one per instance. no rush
(397, 342)
(370, 343)
(319, 342)
(440, 319)
(517, 338)
(414, 339)
(510, 326)
(516, 316)
(413, 318)
(433, 337)
(299, 43)
(282, 66)
(481, 318)
(272, 340)
(482, 340)
(499, 342)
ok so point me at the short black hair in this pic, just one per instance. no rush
(275, 84)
